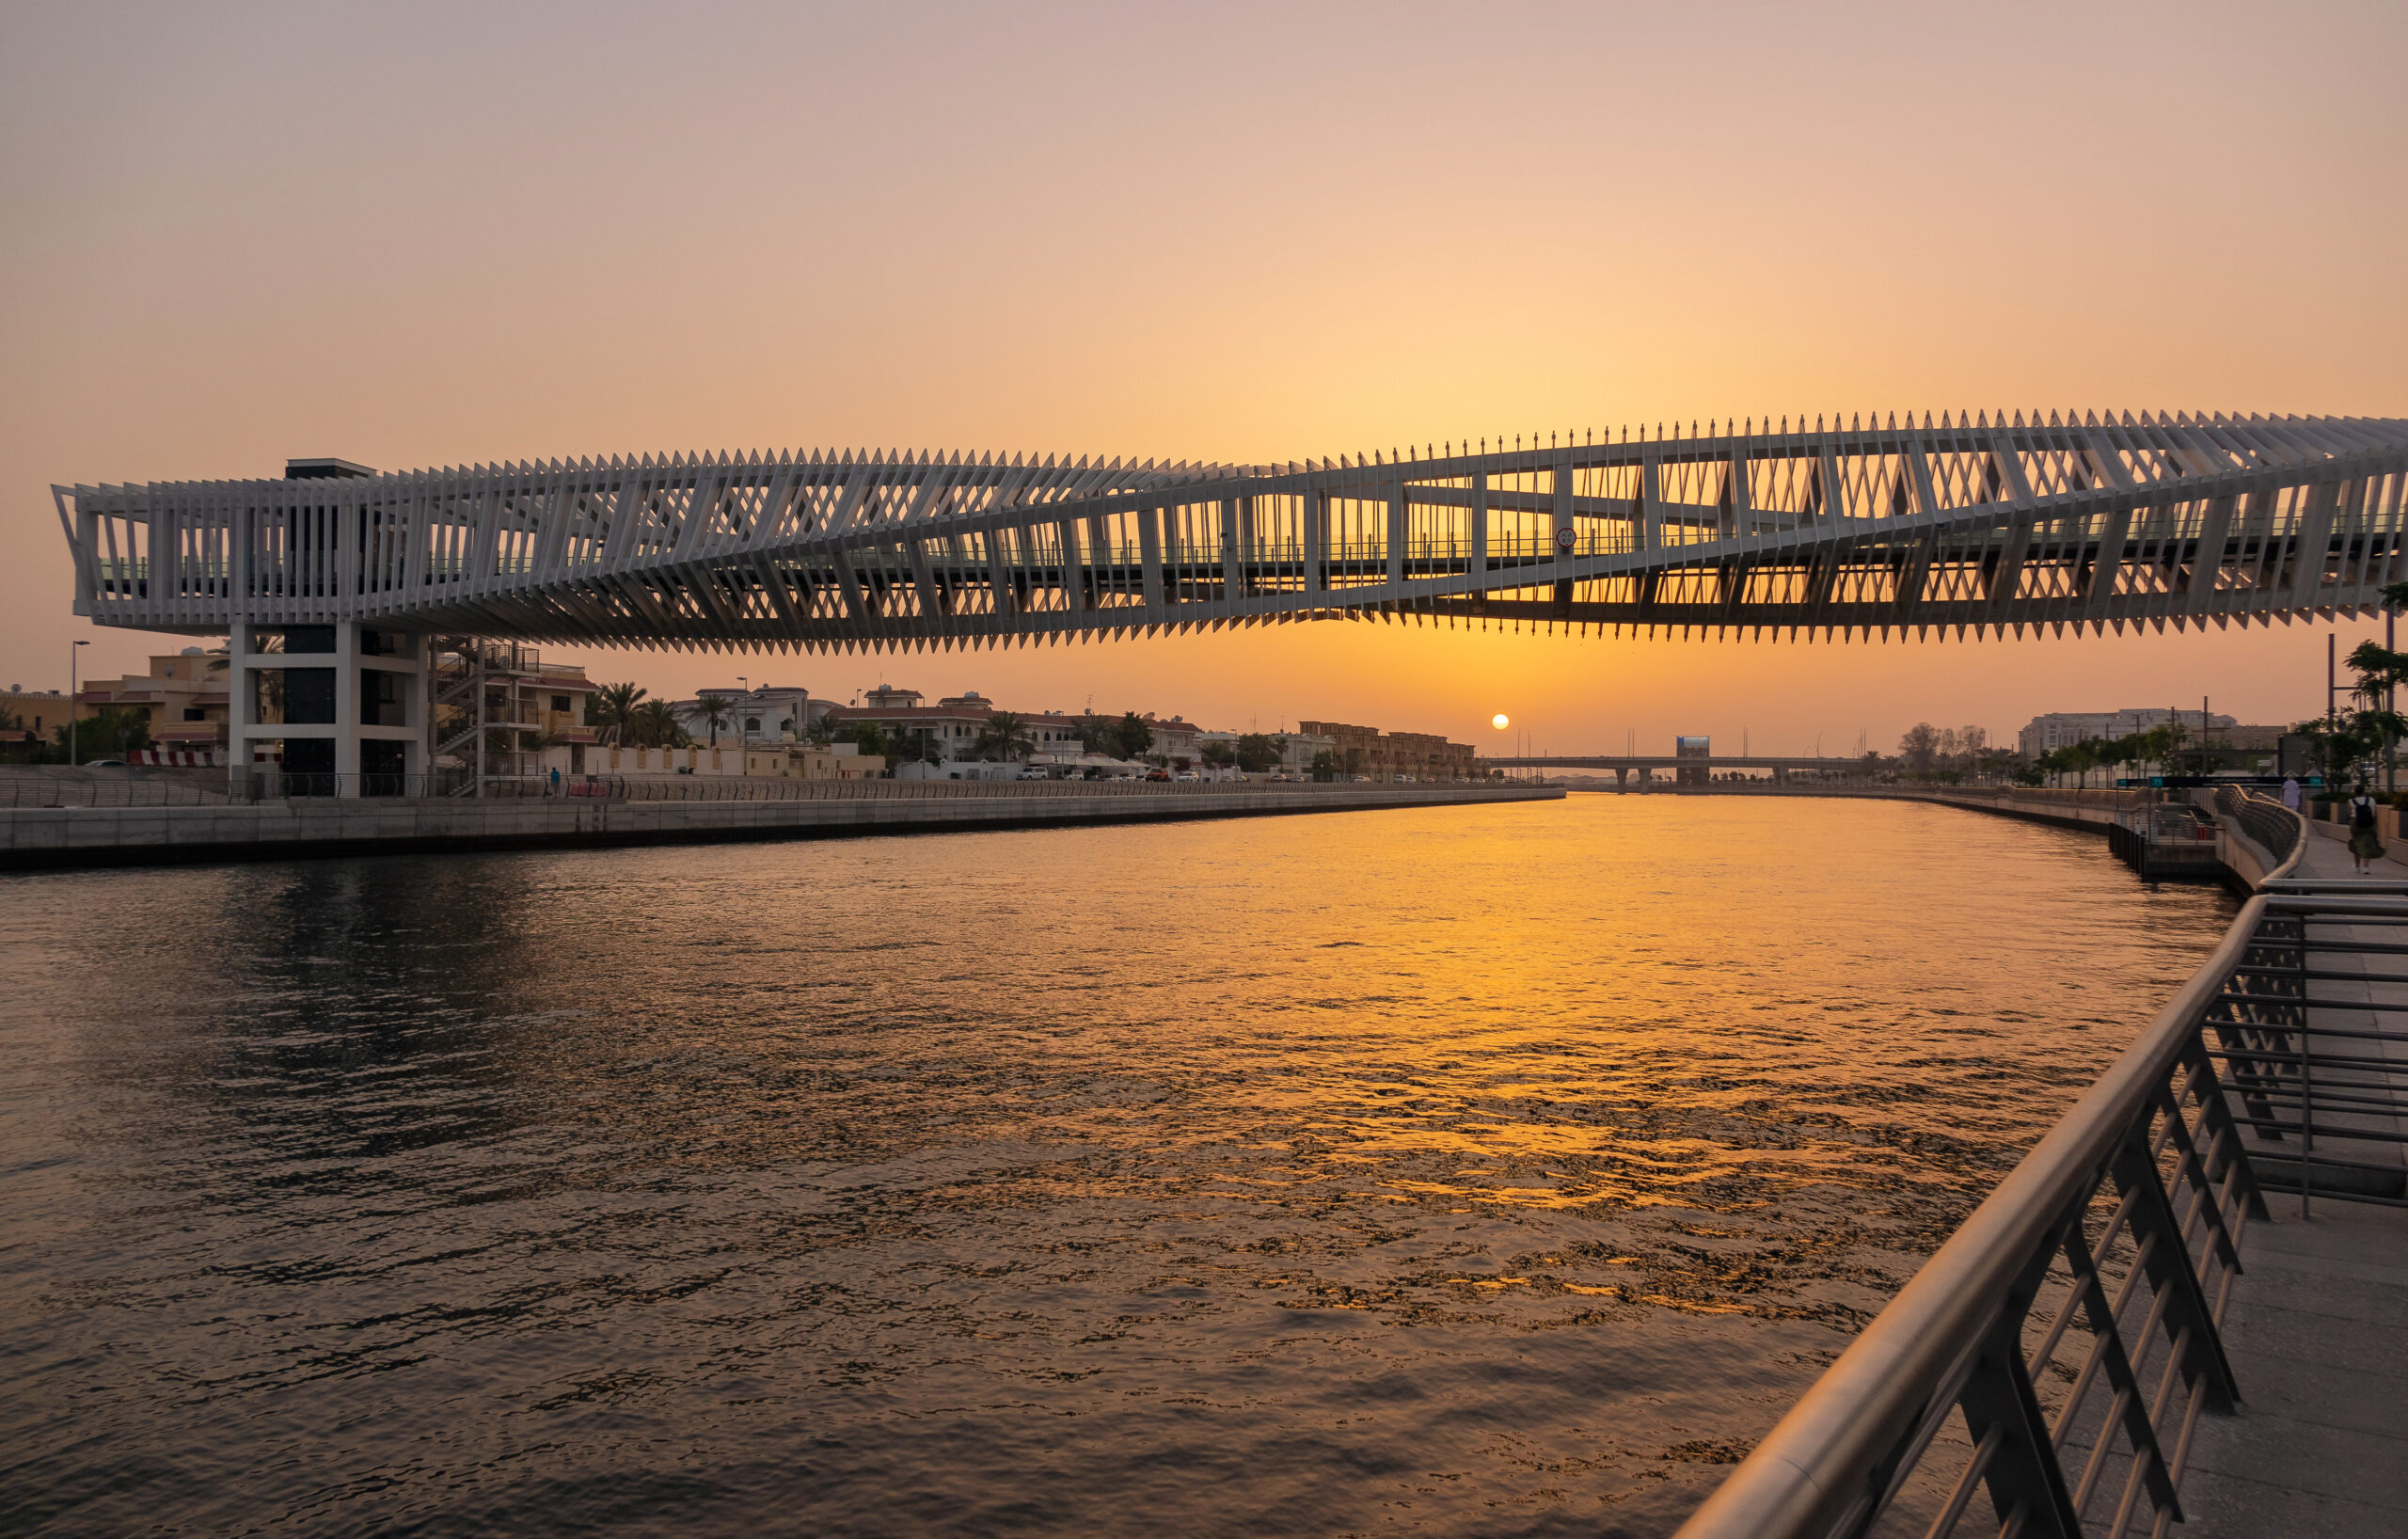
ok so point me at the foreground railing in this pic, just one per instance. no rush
(2051, 1361)
(2315, 1064)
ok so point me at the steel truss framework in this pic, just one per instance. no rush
(1980, 525)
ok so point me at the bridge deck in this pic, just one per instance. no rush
(2318, 1335)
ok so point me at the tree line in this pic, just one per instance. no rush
(2157, 745)
(110, 732)
(2356, 741)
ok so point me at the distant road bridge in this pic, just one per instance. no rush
(1781, 765)
(1979, 524)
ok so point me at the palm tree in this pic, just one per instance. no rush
(1005, 737)
(613, 709)
(1130, 736)
(714, 710)
(654, 724)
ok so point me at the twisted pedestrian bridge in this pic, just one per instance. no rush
(1915, 526)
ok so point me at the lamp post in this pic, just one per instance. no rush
(74, 699)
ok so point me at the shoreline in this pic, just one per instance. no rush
(85, 838)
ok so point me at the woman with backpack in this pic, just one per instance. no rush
(2365, 845)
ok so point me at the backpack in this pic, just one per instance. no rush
(2363, 816)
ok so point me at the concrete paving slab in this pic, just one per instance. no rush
(2219, 1506)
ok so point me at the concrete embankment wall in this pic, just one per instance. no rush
(55, 837)
(2060, 809)
(2094, 811)
(2238, 862)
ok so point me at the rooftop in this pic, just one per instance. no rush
(325, 470)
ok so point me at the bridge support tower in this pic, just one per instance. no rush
(339, 710)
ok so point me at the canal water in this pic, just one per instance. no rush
(1462, 1170)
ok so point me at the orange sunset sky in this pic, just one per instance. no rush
(437, 235)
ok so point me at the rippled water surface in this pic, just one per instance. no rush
(1477, 1171)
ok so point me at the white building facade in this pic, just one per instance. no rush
(761, 714)
(2063, 729)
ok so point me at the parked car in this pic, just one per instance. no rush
(107, 764)
(1163, 775)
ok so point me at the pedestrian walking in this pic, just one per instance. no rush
(2290, 793)
(2366, 844)
(556, 782)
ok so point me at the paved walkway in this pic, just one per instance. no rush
(2317, 1331)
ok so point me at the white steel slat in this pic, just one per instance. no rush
(499, 544)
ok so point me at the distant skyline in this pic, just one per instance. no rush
(466, 234)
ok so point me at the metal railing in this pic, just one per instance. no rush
(299, 785)
(2062, 1345)
(2265, 824)
(45, 787)
(2169, 839)
(200, 788)
(2320, 1079)
(764, 789)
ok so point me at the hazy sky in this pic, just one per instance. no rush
(431, 235)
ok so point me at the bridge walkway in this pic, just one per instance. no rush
(2317, 1330)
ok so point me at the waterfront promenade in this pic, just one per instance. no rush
(46, 837)
(2318, 1327)
(2221, 1217)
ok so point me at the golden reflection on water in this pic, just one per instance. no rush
(1494, 1169)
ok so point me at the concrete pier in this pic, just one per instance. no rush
(36, 838)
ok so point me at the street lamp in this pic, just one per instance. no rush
(74, 699)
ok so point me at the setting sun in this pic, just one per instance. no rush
(1498, 721)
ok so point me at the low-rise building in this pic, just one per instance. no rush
(768, 713)
(951, 732)
(729, 761)
(2245, 739)
(1299, 749)
(961, 770)
(39, 713)
(2063, 729)
(954, 724)
(1052, 735)
(1177, 740)
(183, 695)
(500, 710)
(1394, 755)
(813, 761)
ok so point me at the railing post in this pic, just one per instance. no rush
(2122, 1380)
(2170, 1271)
(2023, 1476)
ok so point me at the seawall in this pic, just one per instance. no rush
(52, 838)
(2238, 862)
(2093, 811)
